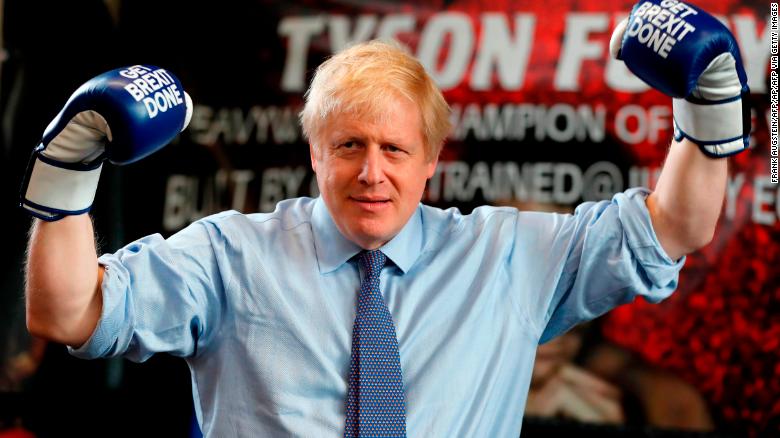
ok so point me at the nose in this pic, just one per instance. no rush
(372, 171)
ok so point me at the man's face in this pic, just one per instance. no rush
(372, 174)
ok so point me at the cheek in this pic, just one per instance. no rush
(413, 182)
(332, 178)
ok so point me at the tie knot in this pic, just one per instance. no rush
(372, 262)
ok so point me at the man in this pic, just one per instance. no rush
(362, 312)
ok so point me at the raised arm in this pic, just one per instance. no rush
(63, 280)
(110, 117)
(696, 62)
(685, 218)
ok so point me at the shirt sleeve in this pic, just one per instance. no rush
(577, 267)
(159, 296)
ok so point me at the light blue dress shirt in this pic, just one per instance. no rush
(262, 307)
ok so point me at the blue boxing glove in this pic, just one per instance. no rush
(689, 55)
(122, 116)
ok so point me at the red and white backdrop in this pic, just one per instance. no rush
(542, 116)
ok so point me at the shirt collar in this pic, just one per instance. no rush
(333, 249)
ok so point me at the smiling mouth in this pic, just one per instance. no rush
(370, 203)
(368, 199)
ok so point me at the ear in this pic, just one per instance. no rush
(431, 169)
(313, 155)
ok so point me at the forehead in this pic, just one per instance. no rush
(395, 118)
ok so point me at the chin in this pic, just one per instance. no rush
(371, 236)
(373, 240)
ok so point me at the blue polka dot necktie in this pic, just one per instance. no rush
(375, 398)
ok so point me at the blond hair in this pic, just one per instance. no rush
(362, 79)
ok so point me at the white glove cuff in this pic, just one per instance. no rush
(53, 191)
(718, 128)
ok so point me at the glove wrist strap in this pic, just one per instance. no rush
(718, 128)
(55, 189)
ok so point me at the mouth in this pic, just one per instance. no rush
(371, 203)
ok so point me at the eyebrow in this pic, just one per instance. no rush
(341, 135)
(345, 138)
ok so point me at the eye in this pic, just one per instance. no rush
(393, 149)
(349, 144)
